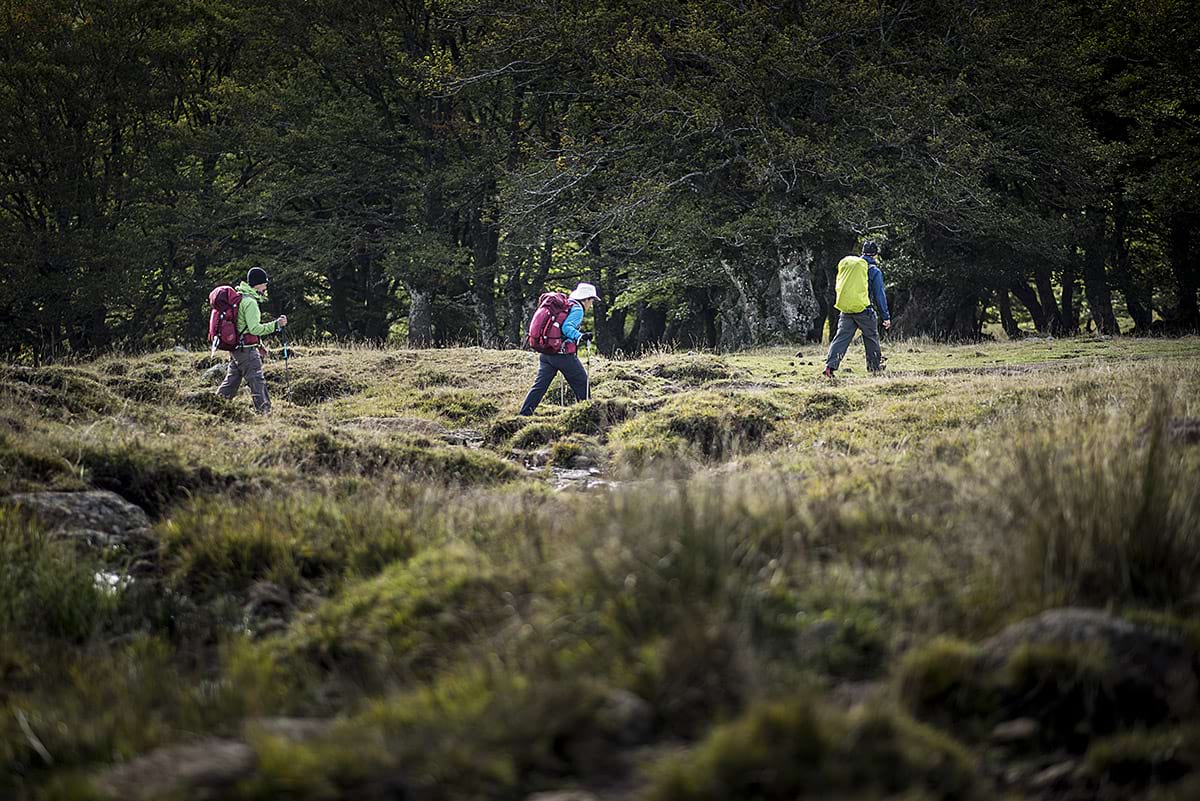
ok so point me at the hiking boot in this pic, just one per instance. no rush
(827, 372)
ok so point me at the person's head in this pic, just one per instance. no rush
(585, 293)
(870, 248)
(257, 279)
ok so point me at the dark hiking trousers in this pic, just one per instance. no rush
(246, 364)
(864, 321)
(549, 365)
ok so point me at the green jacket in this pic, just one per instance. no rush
(249, 319)
(852, 285)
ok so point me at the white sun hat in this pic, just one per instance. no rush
(584, 291)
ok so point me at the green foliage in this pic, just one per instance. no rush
(795, 749)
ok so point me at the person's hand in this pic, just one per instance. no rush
(887, 323)
(282, 321)
(585, 338)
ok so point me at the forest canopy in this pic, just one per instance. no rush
(418, 171)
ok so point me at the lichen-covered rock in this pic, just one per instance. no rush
(1139, 661)
(205, 769)
(98, 517)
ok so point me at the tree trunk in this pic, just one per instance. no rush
(1011, 329)
(485, 244)
(797, 300)
(1183, 264)
(420, 317)
(1045, 287)
(651, 325)
(1137, 300)
(742, 323)
(1028, 298)
(1095, 281)
(1070, 313)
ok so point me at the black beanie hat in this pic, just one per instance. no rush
(256, 276)
(870, 248)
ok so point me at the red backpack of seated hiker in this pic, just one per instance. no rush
(222, 322)
(545, 329)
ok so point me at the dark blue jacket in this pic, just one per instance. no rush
(875, 287)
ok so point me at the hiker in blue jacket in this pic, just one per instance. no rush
(862, 302)
(551, 364)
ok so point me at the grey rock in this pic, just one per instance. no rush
(464, 436)
(205, 769)
(627, 717)
(215, 374)
(179, 349)
(98, 518)
(1015, 731)
(1145, 662)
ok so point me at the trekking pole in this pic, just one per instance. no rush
(287, 375)
(587, 373)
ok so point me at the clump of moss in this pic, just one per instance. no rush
(502, 430)
(458, 406)
(429, 377)
(409, 617)
(823, 405)
(319, 387)
(700, 425)
(26, 465)
(795, 749)
(692, 369)
(342, 452)
(68, 389)
(141, 390)
(209, 549)
(1067, 689)
(1140, 758)
(535, 435)
(152, 478)
(212, 403)
(595, 417)
(576, 450)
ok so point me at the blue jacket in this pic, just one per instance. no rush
(570, 327)
(875, 286)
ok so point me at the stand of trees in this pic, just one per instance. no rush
(422, 169)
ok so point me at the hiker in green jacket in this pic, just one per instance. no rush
(854, 302)
(247, 361)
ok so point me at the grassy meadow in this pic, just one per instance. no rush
(722, 578)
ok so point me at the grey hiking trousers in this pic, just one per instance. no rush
(864, 321)
(549, 366)
(246, 364)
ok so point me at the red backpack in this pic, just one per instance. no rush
(545, 329)
(222, 322)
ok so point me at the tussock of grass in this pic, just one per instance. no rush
(358, 454)
(1099, 516)
(796, 749)
(406, 620)
(693, 369)
(700, 425)
(210, 549)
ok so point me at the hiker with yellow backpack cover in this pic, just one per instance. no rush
(859, 282)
